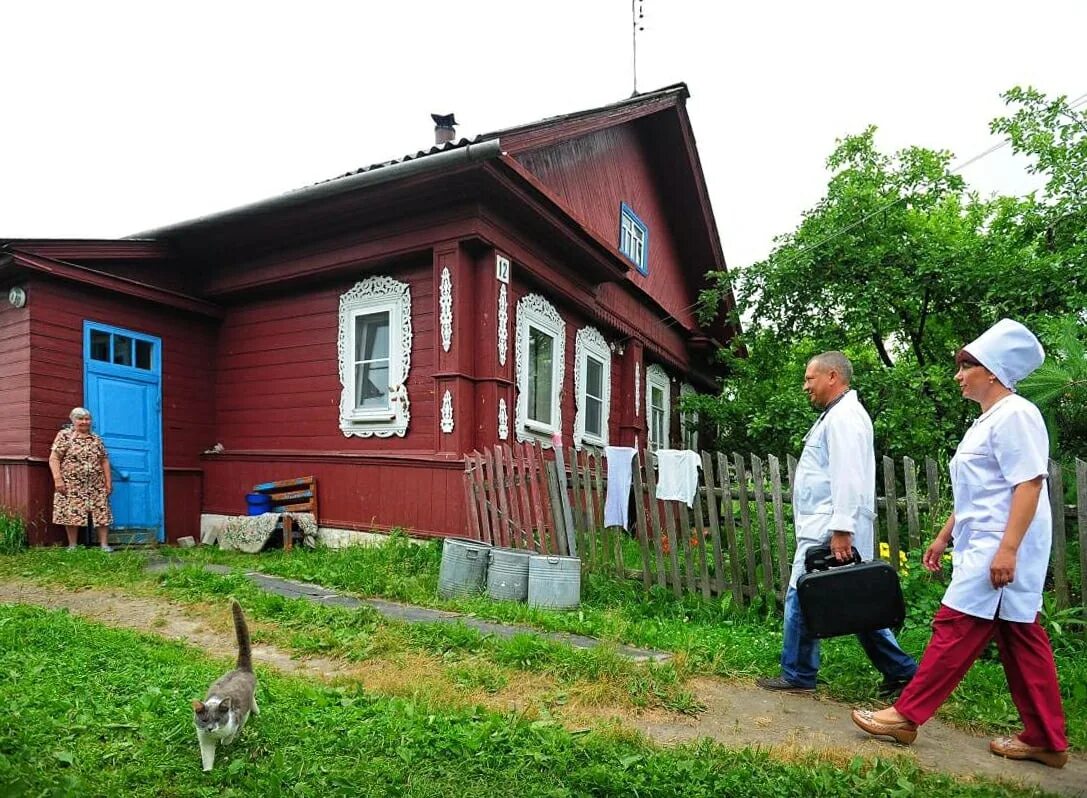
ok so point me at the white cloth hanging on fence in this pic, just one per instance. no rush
(677, 475)
(617, 501)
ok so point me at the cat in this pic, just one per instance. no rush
(221, 716)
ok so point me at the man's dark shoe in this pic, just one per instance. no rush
(779, 684)
(891, 689)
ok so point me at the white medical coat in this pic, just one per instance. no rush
(1006, 446)
(834, 487)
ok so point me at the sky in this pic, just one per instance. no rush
(121, 117)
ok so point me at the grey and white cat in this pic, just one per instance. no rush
(221, 716)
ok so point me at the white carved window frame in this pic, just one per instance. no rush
(533, 311)
(688, 420)
(657, 377)
(378, 294)
(589, 342)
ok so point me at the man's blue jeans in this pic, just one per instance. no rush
(800, 653)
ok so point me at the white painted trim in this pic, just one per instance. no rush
(589, 341)
(376, 295)
(447, 413)
(656, 377)
(535, 311)
(445, 303)
(503, 420)
(503, 323)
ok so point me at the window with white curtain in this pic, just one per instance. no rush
(592, 387)
(375, 355)
(658, 403)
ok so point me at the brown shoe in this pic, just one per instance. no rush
(1014, 748)
(903, 732)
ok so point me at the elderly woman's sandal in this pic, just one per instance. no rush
(903, 731)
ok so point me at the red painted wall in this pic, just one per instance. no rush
(14, 381)
(592, 175)
(56, 373)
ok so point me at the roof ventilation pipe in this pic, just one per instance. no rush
(443, 129)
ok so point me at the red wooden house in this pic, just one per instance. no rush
(373, 328)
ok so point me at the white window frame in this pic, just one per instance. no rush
(656, 377)
(536, 312)
(376, 295)
(688, 421)
(589, 342)
(633, 238)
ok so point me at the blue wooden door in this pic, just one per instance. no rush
(123, 387)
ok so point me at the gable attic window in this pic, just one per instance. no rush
(633, 238)
(374, 350)
(541, 364)
(658, 402)
(592, 387)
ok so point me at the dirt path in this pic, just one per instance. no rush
(736, 714)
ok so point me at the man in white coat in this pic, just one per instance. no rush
(834, 501)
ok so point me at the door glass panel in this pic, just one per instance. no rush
(143, 354)
(122, 350)
(100, 346)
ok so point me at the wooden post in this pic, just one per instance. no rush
(654, 516)
(784, 561)
(554, 491)
(730, 530)
(700, 530)
(673, 553)
(528, 540)
(587, 497)
(639, 511)
(1059, 554)
(685, 535)
(752, 586)
(891, 504)
(1081, 512)
(532, 461)
(913, 518)
(506, 530)
(764, 537)
(713, 500)
(469, 500)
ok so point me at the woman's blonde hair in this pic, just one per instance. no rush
(79, 412)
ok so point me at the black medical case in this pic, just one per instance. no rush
(845, 598)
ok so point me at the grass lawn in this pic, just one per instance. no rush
(90, 710)
(707, 637)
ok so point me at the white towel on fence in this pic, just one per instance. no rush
(677, 475)
(617, 502)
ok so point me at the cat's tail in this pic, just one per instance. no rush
(245, 651)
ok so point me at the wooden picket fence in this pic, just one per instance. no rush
(737, 538)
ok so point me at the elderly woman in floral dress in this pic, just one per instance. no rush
(82, 478)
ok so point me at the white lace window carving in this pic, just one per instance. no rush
(541, 359)
(592, 387)
(375, 355)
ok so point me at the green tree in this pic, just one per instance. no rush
(899, 265)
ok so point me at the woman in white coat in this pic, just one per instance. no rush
(1001, 528)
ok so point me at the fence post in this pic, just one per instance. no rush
(653, 506)
(913, 517)
(730, 529)
(745, 523)
(639, 511)
(764, 538)
(1081, 512)
(713, 501)
(784, 570)
(1059, 553)
(890, 503)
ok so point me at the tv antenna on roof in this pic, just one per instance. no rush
(637, 14)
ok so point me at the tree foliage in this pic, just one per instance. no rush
(899, 265)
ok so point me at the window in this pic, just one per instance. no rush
(122, 350)
(375, 356)
(592, 387)
(658, 403)
(633, 238)
(541, 358)
(688, 420)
